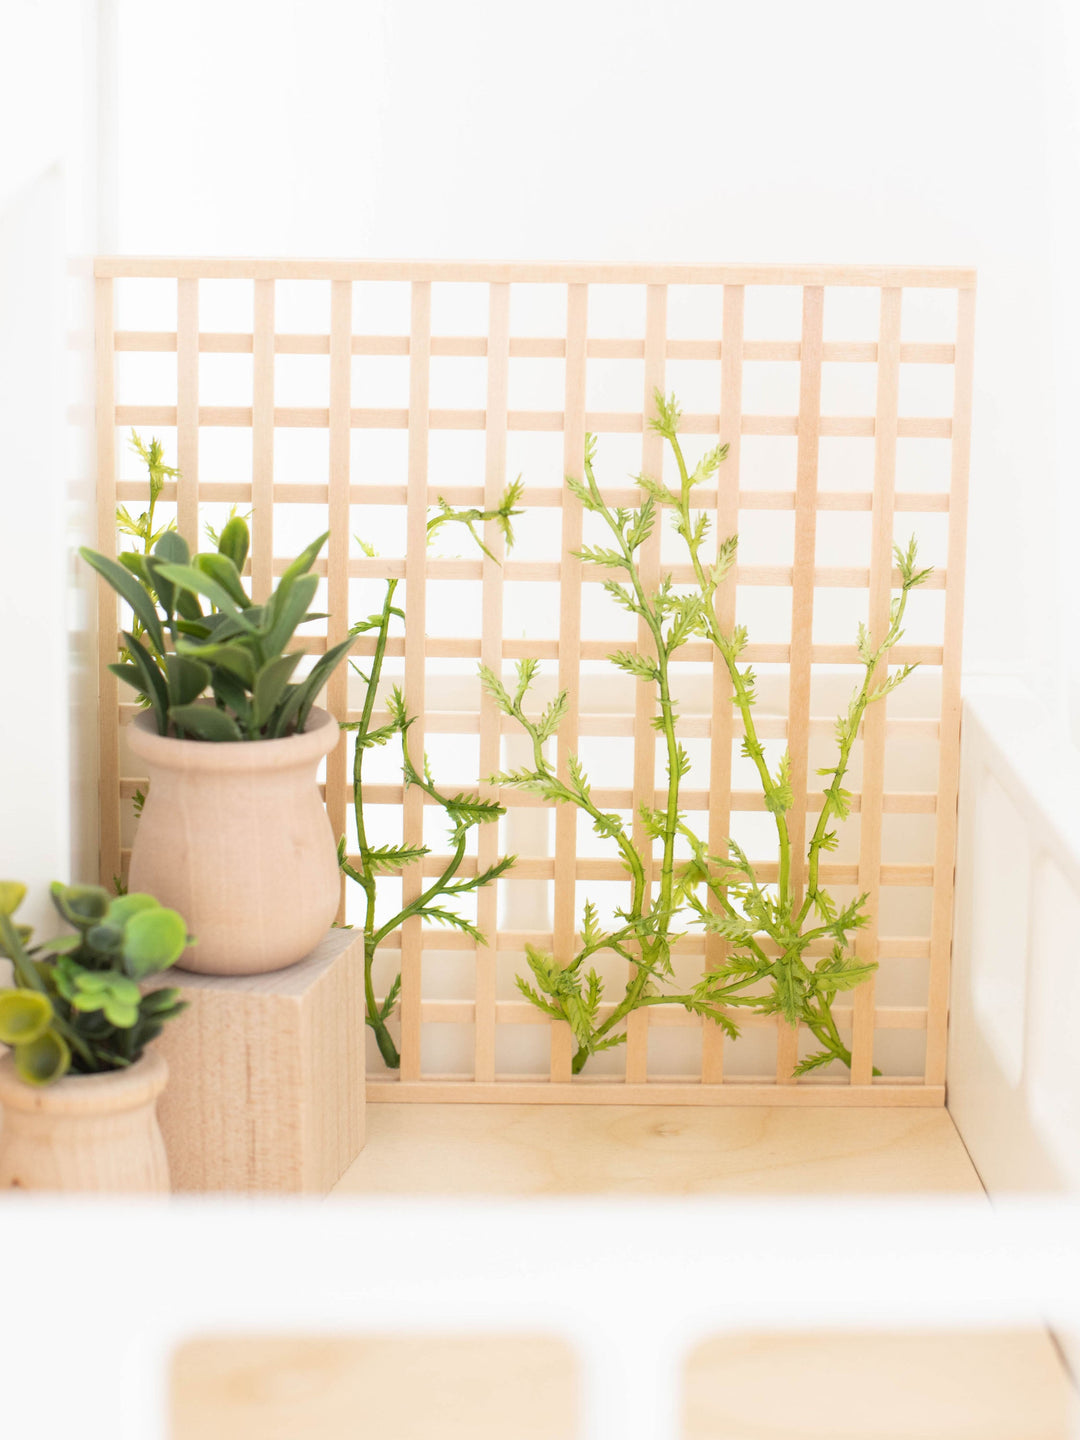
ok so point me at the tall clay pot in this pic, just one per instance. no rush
(236, 837)
(86, 1132)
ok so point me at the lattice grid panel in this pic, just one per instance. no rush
(349, 396)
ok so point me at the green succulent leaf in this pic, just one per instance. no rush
(80, 905)
(220, 568)
(205, 722)
(187, 678)
(44, 1060)
(12, 894)
(24, 1016)
(128, 588)
(153, 940)
(235, 540)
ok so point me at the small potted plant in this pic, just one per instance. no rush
(233, 832)
(79, 1087)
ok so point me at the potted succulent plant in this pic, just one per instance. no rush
(79, 1087)
(233, 833)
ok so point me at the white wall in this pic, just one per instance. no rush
(930, 131)
(48, 211)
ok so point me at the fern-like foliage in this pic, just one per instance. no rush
(789, 948)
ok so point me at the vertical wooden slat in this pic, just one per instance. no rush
(652, 464)
(262, 444)
(498, 379)
(337, 552)
(873, 738)
(187, 410)
(415, 632)
(727, 523)
(949, 744)
(108, 685)
(564, 918)
(802, 611)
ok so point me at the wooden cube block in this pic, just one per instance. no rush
(266, 1074)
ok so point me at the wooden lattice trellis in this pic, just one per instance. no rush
(798, 659)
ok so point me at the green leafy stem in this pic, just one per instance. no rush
(770, 929)
(435, 902)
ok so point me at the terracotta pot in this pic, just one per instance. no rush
(236, 837)
(86, 1132)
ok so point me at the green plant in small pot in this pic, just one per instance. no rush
(79, 1087)
(233, 832)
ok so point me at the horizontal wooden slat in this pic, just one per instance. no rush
(663, 1017)
(537, 497)
(690, 726)
(600, 422)
(749, 801)
(530, 347)
(908, 1092)
(529, 272)
(588, 868)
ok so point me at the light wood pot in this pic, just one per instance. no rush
(86, 1132)
(235, 836)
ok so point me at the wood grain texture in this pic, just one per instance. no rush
(738, 1090)
(802, 619)
(645, 707)
(262, 443)
(720, 800)
(188, 415)
(531, 272)
(492, 571)
(410, 1387)
(948, 1385)
(949, 762)
(569, 652)
(414, 648)
(107, 606)
(266, 1085)
(665, 1150)
(338, 768)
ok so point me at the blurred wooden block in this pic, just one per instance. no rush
(266, 1075)
(410, 1387)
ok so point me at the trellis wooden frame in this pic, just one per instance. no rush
(576, 348)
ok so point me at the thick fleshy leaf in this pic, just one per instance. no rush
(153, 682)
(125, 906)
(172, 548)
(189, 608)
(306, 558)
(270, 685)
(165, 590)
(126, 585)
(188, 678)
(320, 672)
(43, 1060)
(153, 940)
(204, 722)
(229, 691)
(222, 569)
(189, 577)
(80, 905)
(24, 1015)
(286, 610)
(12, 894)
(234, 657)
(105, 939)
(61, 944)
(235, 540)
